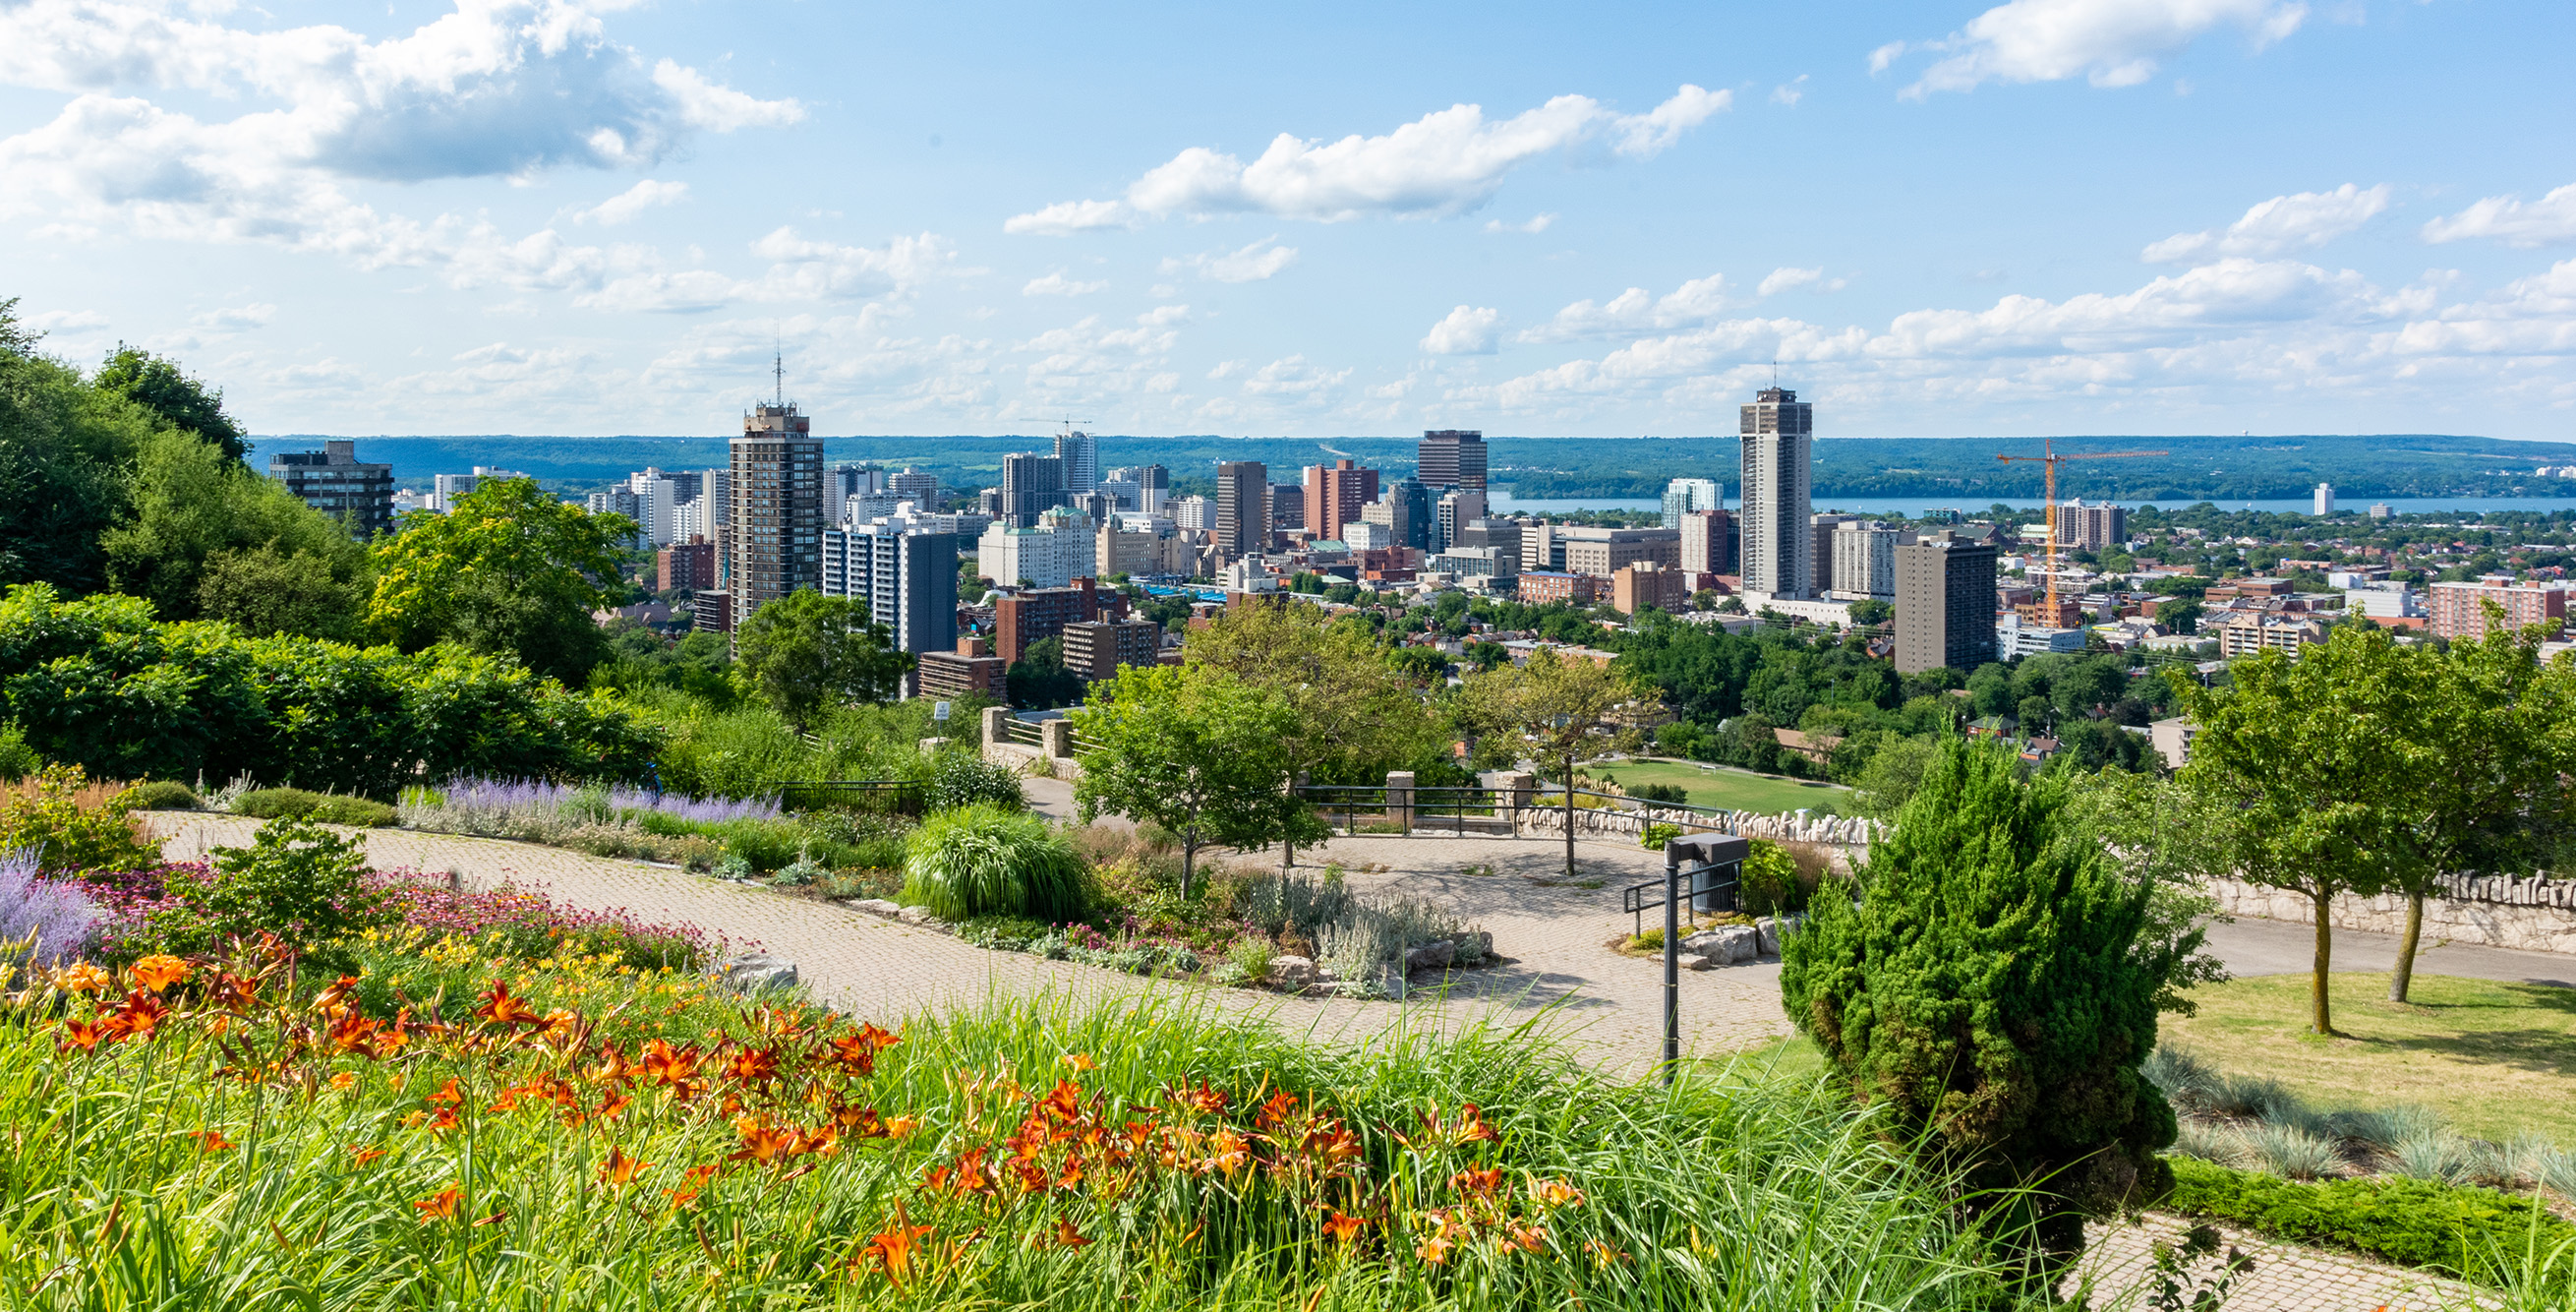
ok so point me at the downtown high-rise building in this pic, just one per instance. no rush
(1685, 496)
(1242, 508)
(773, 544)
(1077, 456)
(1778, 539)
(1945, 604)
(1334, 495)
(1032, 485)
(1451, 457)
(908, 580)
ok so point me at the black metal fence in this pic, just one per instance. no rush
(1712, 892)
(1349, 806)
(864, 796)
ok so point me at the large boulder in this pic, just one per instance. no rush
(1725, 946)
(1431, 956)
(1291, 973)
(1766, 934)
(756, 972)
(874, 906)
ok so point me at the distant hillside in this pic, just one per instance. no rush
(2214, 468)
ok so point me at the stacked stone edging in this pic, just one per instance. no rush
(2531, 915)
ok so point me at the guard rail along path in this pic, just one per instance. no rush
(1511, 803)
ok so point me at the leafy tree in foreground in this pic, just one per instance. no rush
(1981, 981)
(510, 571)
(808, 653)
(2298, 772)
(156, 384)
(1560, 712)
(1194, 750)
(208, 539)
(63, 448)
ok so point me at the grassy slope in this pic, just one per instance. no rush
(1727, 787)
(2495, 1058)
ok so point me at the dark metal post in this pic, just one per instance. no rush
(1672, 959)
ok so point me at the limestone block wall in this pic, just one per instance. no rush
(2534, 915)
(1541, 820)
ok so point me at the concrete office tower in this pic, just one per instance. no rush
(1287, 508)
(2325, 498)
(334, 481)
(1405, 511)
(1451, 457)
(1032, 485)
(1501, 536)
(1154, 479)
(446, 488)
(849, 479)
(908, 580)
(1078, 454)
(1192, 512)
(1051, 555)
(1685, 496)
(715, 487)
(774, 540)
(1945, 604)
(1779, 543)
(1334, 496)
(1242, 509)
(1823, 526)
(1708, 542)
(2082, 527)
(1454, 513)
(656, 507)
(916, 487)
(1864, 553)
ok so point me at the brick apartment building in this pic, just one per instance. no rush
(1095, 649)
(2459, 609)
(1541, 586)
(971, 669)
(1021, 618)
(690, 564)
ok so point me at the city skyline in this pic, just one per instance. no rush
(2167, 216)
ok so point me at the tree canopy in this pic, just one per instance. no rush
(157, 384)
(509, 570)
(808, 653)
(1190, 748)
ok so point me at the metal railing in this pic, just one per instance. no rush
(864, 796)
(1024, 732)
(1712, 892)
(1452, 808)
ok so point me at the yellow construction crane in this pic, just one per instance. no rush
(2051, 459)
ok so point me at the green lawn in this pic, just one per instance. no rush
(1724, 786)
(2495, 1058)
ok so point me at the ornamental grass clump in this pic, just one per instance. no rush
(983, 860)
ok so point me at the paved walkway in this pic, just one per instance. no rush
(2255, 946)
(2285, 1278)
(1557, 975)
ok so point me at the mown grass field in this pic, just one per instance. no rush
(2495, 1058)
(1724, 786)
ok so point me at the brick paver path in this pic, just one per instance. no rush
(2286, 1278)
(1558, 976)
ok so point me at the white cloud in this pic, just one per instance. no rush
(1056, 284)
(1634, 312)
(633, 279)
(1071, 216)
(497, 88)
(1781, 280)
(627, 204)
(1440, 164)
(1251, 262)
(1790, 92)
(2111, 43)
(2282, 225)
(1534, 225)
(1292, 381)
(2548, 221)
(2530, 316)
(46, 321)
(1467, 331)
(239, 318)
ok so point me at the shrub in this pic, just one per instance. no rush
(73, 824)
(320, 808)
(17, 759)
(983, 860)
(1672, 793)
(964, 778)
(297, 880)
(1251, 954)
(1658, 835)
(1983, 984)
(166, 795)
(42, 920)
(2472, 1234)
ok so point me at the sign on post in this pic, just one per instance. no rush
(939, 710)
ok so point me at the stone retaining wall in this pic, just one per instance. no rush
(2534, 915)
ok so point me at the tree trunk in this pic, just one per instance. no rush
(2403, 977)
(1569, 818)
(1189, 859)
(2320, 1009)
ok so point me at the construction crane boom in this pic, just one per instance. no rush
(2051, 459)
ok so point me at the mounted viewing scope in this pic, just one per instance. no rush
(1714, 861)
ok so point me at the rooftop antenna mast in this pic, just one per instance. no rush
(778, 366)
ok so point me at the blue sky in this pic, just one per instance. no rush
(2049, 216)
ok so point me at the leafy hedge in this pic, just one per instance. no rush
(2472, 1234)
(100, 683)
(302, 804)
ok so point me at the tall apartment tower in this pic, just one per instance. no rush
(1451, 457)
(1155, 482)
(774, 540)
(914, 486)
(1945, 604)
(1684, 496)
(1242, 508)
(1078, 455)
(1708, 542)
(1779, 540)
(1032, 485)
(1334, 495)
(334, 481)
(908, 580)
(2325, 499)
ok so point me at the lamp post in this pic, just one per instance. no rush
(1709, 856)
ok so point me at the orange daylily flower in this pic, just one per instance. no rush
(1434, 1250)
(1343, 1228)
(440, 1206)
(500, 1008)
(1472, 1127)
(1066, 1236)
(1477, 1182)
(891, 1250)
(141, 1014)
(81, 977)
(1278, 1109)
(1064, 1103)
(159, 971)
(763, 1143)
(1080, 1062)
(621, 1169)
(1557, 1193)
(1605, 1255)
(901, 1126)
(1530, 1237)
(447, 1096)
(83, 1035)
(212, 1141)
(682, 1199)
(363, 1156)
(754, 1065)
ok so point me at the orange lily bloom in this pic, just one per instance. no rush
(159, 971)
(440, 1206)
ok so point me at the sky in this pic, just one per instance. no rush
(2042, 217)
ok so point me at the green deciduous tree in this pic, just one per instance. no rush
(808, 654)
(511, 570)
(1193, 749)
(1982, 982)
(2295, 770)
(204, 537)
(64, 446)
(1560, 712)
(183, 400)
